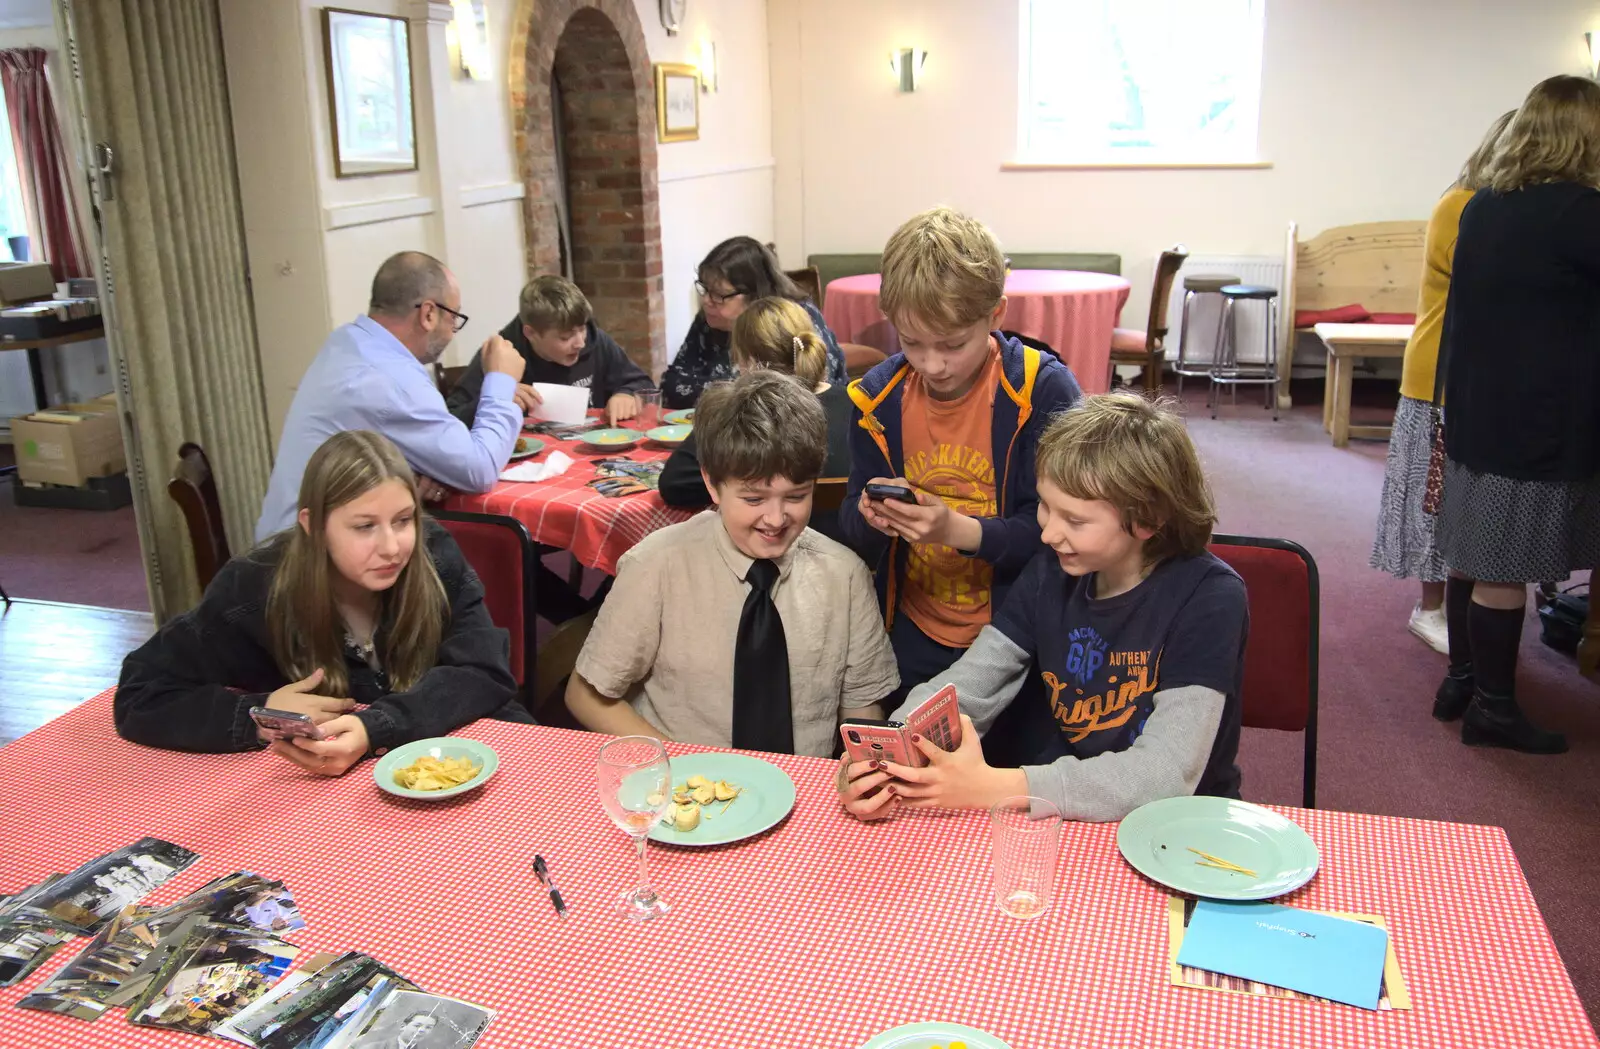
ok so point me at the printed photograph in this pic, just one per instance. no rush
(90, 895)
(27, 943)
(217, 973)
(414, 1020)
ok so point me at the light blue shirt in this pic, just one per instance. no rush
(365, 379)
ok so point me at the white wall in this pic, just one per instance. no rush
(1368, 109)
(314, 240)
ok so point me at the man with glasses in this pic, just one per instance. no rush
(375, 373)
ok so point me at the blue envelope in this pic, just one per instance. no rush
(1304, 951)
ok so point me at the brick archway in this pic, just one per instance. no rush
(596, 51)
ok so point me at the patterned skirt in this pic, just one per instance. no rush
(1404, 546)
(1502, 530)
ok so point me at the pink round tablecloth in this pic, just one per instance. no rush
(1072, 310)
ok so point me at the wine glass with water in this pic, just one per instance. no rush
(636, 789)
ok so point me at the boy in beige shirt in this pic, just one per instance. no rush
(741, 627)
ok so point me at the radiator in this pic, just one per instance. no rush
(1249, 317)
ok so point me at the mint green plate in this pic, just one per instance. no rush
(673, 435)
(611, 438)
(934, 1036)
(526, 448)
(1156, 839)
(438, 747)
(768, 796)
(682, 416)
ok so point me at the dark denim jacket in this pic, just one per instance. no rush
(191, 686)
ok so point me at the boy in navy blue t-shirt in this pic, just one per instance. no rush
(1124, 638)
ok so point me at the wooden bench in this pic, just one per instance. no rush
(1376, 265)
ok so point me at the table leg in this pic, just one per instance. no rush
(1341, 406)
(36, 373)
(1330, 382)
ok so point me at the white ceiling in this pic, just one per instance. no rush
(15, 14)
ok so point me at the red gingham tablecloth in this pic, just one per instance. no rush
(816, 935)
(1071, 310)
(566, 513)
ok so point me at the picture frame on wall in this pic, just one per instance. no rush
(677, 102)
(368, 60)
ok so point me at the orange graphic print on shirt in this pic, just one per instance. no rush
(948, 452)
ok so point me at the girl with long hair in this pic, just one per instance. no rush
(775, 334)
(1521, 478)
(1404, 545)
(735, 274)
(362, 600)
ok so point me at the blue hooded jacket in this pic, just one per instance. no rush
(1035, 386)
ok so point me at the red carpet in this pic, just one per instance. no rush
(1381, 751)
(80, 557)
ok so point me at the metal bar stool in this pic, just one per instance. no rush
(1226, 369)
(1199, 284)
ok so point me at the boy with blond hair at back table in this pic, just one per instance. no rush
(1124, 632)
(955, 417)
(741, 627)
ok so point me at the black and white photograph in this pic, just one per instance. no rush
(414, 1020)
(90, 895)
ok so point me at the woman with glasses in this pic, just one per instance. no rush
(735, 274)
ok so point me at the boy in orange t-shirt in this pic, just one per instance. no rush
(954, 417)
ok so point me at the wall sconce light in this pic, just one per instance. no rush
(469, 31)
(1593, 40)
(907, 65)
(708, 65)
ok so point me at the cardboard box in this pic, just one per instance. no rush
(25, 282)
(69, 444)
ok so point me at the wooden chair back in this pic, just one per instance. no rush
(810, 282)
(194, 489)
(828, 493)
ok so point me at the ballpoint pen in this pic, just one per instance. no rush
(543, 873)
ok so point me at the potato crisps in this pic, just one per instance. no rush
(696, 793)
(430, 773)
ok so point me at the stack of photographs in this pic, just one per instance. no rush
(28, 940)
(353, 1001)
(123, 964)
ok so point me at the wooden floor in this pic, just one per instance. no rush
(53, 657)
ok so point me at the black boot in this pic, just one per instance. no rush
(1497, 721)
(1455, 692)
(1493, 719)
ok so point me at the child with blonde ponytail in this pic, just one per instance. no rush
(777, 335)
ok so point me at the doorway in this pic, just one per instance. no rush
(587, 79)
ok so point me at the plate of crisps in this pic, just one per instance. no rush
(719, 798)
(681, 417)
(430, 769)
(935, 1036)
(526, 447)
(611, 439)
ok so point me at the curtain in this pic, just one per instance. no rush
(47, 193)
(179, 316)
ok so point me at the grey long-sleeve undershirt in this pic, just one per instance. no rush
(1166, 760)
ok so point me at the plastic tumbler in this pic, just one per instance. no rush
(649, 416)
(1026, 836)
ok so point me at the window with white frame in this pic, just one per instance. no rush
(13, 219)
(1140, 81)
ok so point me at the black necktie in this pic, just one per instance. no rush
(761, 713)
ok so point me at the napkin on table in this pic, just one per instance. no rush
(555, 464)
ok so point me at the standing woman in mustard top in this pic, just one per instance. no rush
(1520, 357)
(1404, 545)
